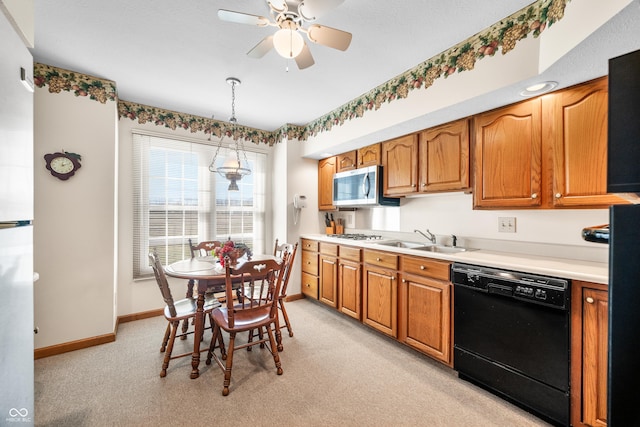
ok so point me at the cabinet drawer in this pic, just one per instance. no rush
(381, 259)
(425, 267)
(352, 254)
(309, 245)
(309, 285)
(328, 249)
(310, 262)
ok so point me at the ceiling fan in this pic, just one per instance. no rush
(290, 16)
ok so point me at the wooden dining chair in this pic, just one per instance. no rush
(247, 313)
(282, 296)
(203, 248)
(177, 311)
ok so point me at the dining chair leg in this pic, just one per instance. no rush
(274, 352)
(278, 333)
(167, 355)
(285, 316)
(166, 338)
(229, 365)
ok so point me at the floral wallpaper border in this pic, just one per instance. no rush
(501, 36)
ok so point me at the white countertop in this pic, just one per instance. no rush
(588, 271)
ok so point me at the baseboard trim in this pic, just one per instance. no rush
(53, 350)
(294, 297)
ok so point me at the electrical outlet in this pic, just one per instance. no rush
(507, 224)
(349, 219)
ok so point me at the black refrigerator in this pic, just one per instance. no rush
(623, 176)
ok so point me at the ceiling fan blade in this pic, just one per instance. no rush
(261, 49)
(304, 58)
(312, 9)
(242, 18)
(330, 37)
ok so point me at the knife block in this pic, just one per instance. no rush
(339, 229)
(330, 230)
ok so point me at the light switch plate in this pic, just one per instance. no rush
(507, 224)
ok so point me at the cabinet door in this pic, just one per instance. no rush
(369, 156)
(444, 157)
(349, 280)
(426, 316)
(329, 280)
(400, 165)
(589, 353)
(594, 357)
(380, 300)
(508, 157)
(326, 170)
(309, 285)
(576, 120)
(347, 161)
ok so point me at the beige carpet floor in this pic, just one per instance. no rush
(337, 372)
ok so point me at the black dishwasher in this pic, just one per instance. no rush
(511, 337)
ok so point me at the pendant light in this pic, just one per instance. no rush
(232, 169)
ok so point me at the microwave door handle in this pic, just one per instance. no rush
(366, 185)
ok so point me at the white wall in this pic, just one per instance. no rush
(74, 223)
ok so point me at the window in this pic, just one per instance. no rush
(177, 198)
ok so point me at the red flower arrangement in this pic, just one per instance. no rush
(231, 250)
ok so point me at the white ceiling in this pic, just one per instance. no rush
(177, 55)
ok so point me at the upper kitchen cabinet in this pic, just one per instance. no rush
(575, 123)
(508, 157)
(549, 152)
(369, 156)
(347, 161)
(326, 169)
(400, 165)
(444, 157)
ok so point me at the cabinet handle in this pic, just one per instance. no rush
(307, 285)
(534, 196)
(392, 278)
(404, 281)
(590, 300)
(422, 267)
(413, 186)
(378, 259)
(558, 195)
(424, 184)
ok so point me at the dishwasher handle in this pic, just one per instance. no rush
(503, 290)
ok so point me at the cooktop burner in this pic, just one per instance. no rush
(356, 236)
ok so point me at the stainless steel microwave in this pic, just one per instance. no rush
(361, 188)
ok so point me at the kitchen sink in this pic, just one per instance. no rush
(402, 244)
(442, 249)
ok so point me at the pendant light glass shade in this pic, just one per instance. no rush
(232, 168)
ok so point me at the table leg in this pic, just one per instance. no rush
(199, 329)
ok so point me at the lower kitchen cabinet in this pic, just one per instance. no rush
(329, 274)
(309, 266)
(589, 349)
(380, 292)
(424, 313)
(349, 282)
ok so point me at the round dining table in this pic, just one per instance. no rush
(209, 276)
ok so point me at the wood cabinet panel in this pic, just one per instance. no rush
(352, 254)
(508, 156)
(328, 280)
(381, 259)
(347, 161)
(326, 169)
(329, 249)
(309, 262)
(369, 156)
(309, 285)
(426, 267)
(349, 285)
(444, 157)
(400, 165)
(309, 245)
(576, 120)
(426, 316)
(589, 354)
(380, 299)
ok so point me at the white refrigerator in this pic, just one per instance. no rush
(16, 229)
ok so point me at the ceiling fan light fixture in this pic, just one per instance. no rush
(288, 43)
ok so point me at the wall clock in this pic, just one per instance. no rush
(63, 165)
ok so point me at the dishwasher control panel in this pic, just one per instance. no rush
(549, 291)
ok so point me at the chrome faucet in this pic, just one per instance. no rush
(429, 236)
